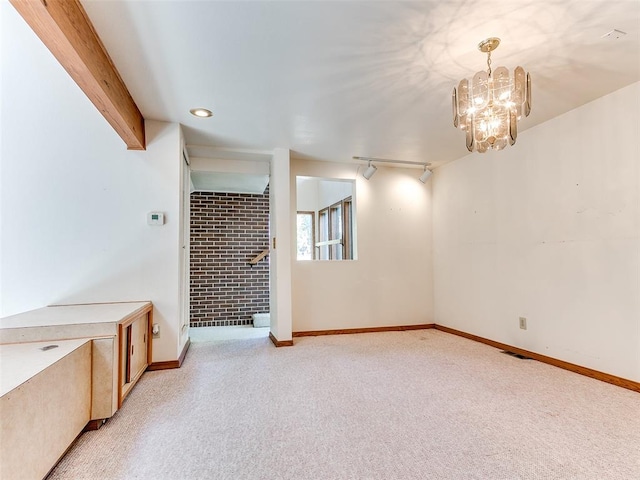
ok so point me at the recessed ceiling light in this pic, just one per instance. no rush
(201, 112)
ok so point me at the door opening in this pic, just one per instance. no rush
(229, 259)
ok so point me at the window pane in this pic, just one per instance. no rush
(323, 233)
(335, 218)
(305, 236)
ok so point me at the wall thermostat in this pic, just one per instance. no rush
(155, 218)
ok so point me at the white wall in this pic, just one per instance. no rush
(74, 200)
(282, 245)
(221, 165)
(306, 194)
(314, 194)
(331, 192)
(390, 283)
(548, 230)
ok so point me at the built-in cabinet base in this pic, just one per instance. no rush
(43, 415)
(65, 369)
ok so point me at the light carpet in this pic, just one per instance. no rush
(401, 405)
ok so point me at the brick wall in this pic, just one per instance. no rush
(228, 230)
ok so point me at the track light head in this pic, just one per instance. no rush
(371, 169)
(425, 175)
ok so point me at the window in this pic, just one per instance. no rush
(331, 203)
(347, 237)
(335, 232)
(306, 235)
(323, 234)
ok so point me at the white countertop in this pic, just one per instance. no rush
(73, 314)
(22, 361)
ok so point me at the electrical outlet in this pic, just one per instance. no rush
(156, 330)
(523, 323)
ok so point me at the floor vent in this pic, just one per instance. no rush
(516, 355)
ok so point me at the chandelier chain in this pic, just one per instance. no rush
(489, 62)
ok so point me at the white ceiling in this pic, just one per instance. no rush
(330, 80)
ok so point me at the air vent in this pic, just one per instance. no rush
(516, 355)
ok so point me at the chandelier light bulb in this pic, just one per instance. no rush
(488, 106)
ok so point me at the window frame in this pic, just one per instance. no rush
(347, 228)
(342, 249)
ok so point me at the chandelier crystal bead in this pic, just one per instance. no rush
(489, 106)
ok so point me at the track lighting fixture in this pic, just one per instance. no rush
(371, 169)
(425, 175)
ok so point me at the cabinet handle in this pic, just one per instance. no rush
(132, 349)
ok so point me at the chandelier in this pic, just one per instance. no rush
(488, 106)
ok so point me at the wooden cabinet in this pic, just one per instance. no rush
(121, 343)
(45, 404)
(48, 395)
(135, 352)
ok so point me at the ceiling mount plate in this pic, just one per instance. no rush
(489, 45)
(614, 34)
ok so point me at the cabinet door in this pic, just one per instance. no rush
(134, 353)
(138, 348)
(125, 354)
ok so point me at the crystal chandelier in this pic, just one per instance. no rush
(489, 106)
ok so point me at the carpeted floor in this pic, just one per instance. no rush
(404, 405)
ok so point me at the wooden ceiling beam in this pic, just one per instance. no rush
(64, 27)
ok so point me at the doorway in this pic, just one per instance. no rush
(228, 232)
